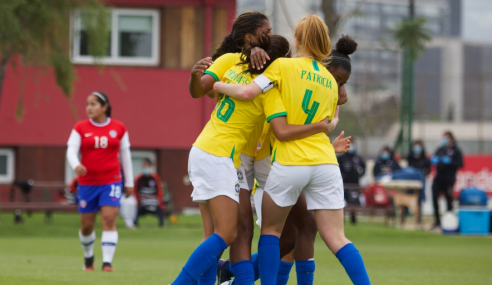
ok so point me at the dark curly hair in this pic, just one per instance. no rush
(340, 56)
(246, 23)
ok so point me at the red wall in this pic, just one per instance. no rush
(154, 104)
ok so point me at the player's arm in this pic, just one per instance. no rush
(73, 147)
(206, 72)
(286, 132)
(201, 84)
(276, 113)
(260, 84)
(238, 91)
(126, 161)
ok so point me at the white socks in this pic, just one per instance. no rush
(88, 243)
(109, 241)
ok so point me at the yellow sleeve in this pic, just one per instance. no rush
(273, 105)
(220, 66)
(273, 72)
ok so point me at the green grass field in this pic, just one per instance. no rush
(35, 253)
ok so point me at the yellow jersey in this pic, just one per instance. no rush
(267, 141)
(310, 94)
(233, 122)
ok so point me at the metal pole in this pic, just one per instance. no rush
(480, 115)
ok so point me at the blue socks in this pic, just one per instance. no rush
(284, 272)
(352, 261)
(256, 265)
(209, 276)
(204, 256)
(269, 259)
(305, 271)
(243, 272)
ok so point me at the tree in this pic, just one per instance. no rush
(37, 31)
(411, 36)
(336, 19)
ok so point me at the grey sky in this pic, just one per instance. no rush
(477, 20)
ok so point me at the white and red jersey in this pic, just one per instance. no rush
(99, 145)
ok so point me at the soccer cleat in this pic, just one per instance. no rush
(107, 267)
(223, 271)
(88, 264)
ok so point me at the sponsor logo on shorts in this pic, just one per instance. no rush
(237, 188)
(113, 133)
(83, 204)
(240, 175)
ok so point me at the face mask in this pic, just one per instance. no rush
(146, 171)
(417, 149)
(445, 141)
(384, 156)
(352, 149)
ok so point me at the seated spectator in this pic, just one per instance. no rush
(149, 193)
(352, 167)
(385, 164)
(418, 159)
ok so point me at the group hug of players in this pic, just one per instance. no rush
(272, 116)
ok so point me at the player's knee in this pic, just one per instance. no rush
(245, 229)
(228, 235)
(108, 222)
(287, 242)
(309, 227)
(335, 241)
(87, 228)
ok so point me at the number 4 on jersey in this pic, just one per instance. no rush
(305, 106)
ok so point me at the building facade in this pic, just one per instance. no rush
(154, 44)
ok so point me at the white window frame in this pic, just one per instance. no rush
(142, 154)
(114, 58)
(9, 177)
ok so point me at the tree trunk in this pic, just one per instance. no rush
(3, 69)
(331, 17)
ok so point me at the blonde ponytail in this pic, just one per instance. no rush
(312, 36)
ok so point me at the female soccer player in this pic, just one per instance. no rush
(99, 140)
(215, 157)
(246, 27)
(309, 93)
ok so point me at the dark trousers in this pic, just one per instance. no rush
(142, 211)
(442, 186)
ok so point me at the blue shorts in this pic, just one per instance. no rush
(91, 198)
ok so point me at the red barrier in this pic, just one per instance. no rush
(476, 172)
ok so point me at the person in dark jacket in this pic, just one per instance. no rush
(447, 159)
(418, 159)
(386, 163)
(352, 167)
(149, 193)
